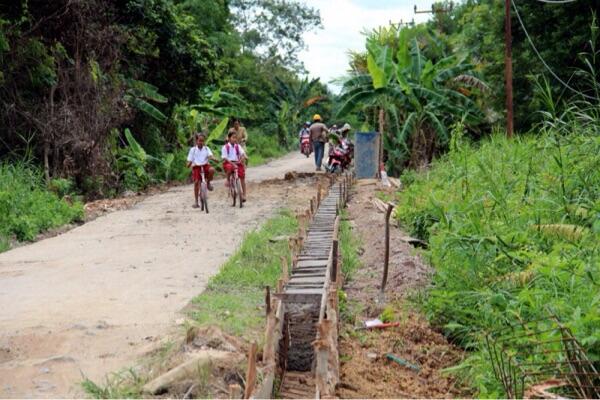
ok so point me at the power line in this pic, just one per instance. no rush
(565, 84)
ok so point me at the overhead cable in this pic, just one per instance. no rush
(565, 84)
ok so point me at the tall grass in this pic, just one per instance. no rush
(27, 207)
(514, 230)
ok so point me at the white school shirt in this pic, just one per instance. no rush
(230, 153)
(199, 156)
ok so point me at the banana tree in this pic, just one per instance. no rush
(291, 102)
(421, 98)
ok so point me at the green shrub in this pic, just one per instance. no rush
(62, 187)
(26, 208)
(513, 229)
(262, 148)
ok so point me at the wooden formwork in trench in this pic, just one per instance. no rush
(300, 353)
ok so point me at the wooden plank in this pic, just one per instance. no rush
(299, 296)
(312, 263)
(251, 371)
(307, 279)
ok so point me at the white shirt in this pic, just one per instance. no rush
(230, 153)
(199, 156)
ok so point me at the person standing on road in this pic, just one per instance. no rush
(240, 133)
(318, 137)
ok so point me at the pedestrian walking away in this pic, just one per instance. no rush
(318, 137)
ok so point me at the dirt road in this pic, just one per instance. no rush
(92, 300)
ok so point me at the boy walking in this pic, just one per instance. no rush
(197, 159)
(233, 155)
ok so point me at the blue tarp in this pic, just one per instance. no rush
(366, 154)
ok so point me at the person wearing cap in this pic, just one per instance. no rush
(318, 138)
(344, 130)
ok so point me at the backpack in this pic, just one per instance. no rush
(237, 149)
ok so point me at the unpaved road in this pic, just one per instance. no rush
(94, 299)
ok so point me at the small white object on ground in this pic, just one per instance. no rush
(373, 322)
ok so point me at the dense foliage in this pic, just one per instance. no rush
(414, 90)
(513, 228)
(74, 75)
(27, 209)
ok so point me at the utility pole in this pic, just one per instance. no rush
(435, 11)
(508, 69)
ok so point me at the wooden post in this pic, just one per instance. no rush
(269, 348)
(312, 207)
(322, 348)
(508, 68)
(284, 269)
(386, 259)
(334, 261)
(280, 285)
(251, 371)
(268, 299)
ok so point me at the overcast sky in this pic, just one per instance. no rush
(343, 22)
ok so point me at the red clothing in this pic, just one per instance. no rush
(196, 176)
(229, 167)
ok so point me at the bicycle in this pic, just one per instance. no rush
(203, 192)
(235, 186)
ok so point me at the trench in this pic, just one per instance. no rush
(304, 300)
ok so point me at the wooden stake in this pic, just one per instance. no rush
(284, 269)
(251, 371)
(268, 299)
(280, 285)
(334, 261)
(386, 259)
(269, 348)
(312, 207)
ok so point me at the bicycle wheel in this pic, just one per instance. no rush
(204, 196)
(238, 187)
(232, 192)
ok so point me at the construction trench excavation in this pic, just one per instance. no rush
(300, 354)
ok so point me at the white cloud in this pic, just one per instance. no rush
(343, 22)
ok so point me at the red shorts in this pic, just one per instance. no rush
(196, 171)
(228, 167)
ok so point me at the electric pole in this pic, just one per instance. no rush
(508, 69)
(435, 11)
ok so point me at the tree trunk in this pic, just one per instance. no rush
(46, 163)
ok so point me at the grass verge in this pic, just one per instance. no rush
(234, 298)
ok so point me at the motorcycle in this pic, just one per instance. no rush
(340, 158)
(305, 147)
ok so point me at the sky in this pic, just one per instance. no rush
(343, 21)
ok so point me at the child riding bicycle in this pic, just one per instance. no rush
(234, 155)
(197, 159)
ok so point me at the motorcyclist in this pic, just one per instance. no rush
(344, 140)
(305, 129)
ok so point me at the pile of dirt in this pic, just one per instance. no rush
(365, 371)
